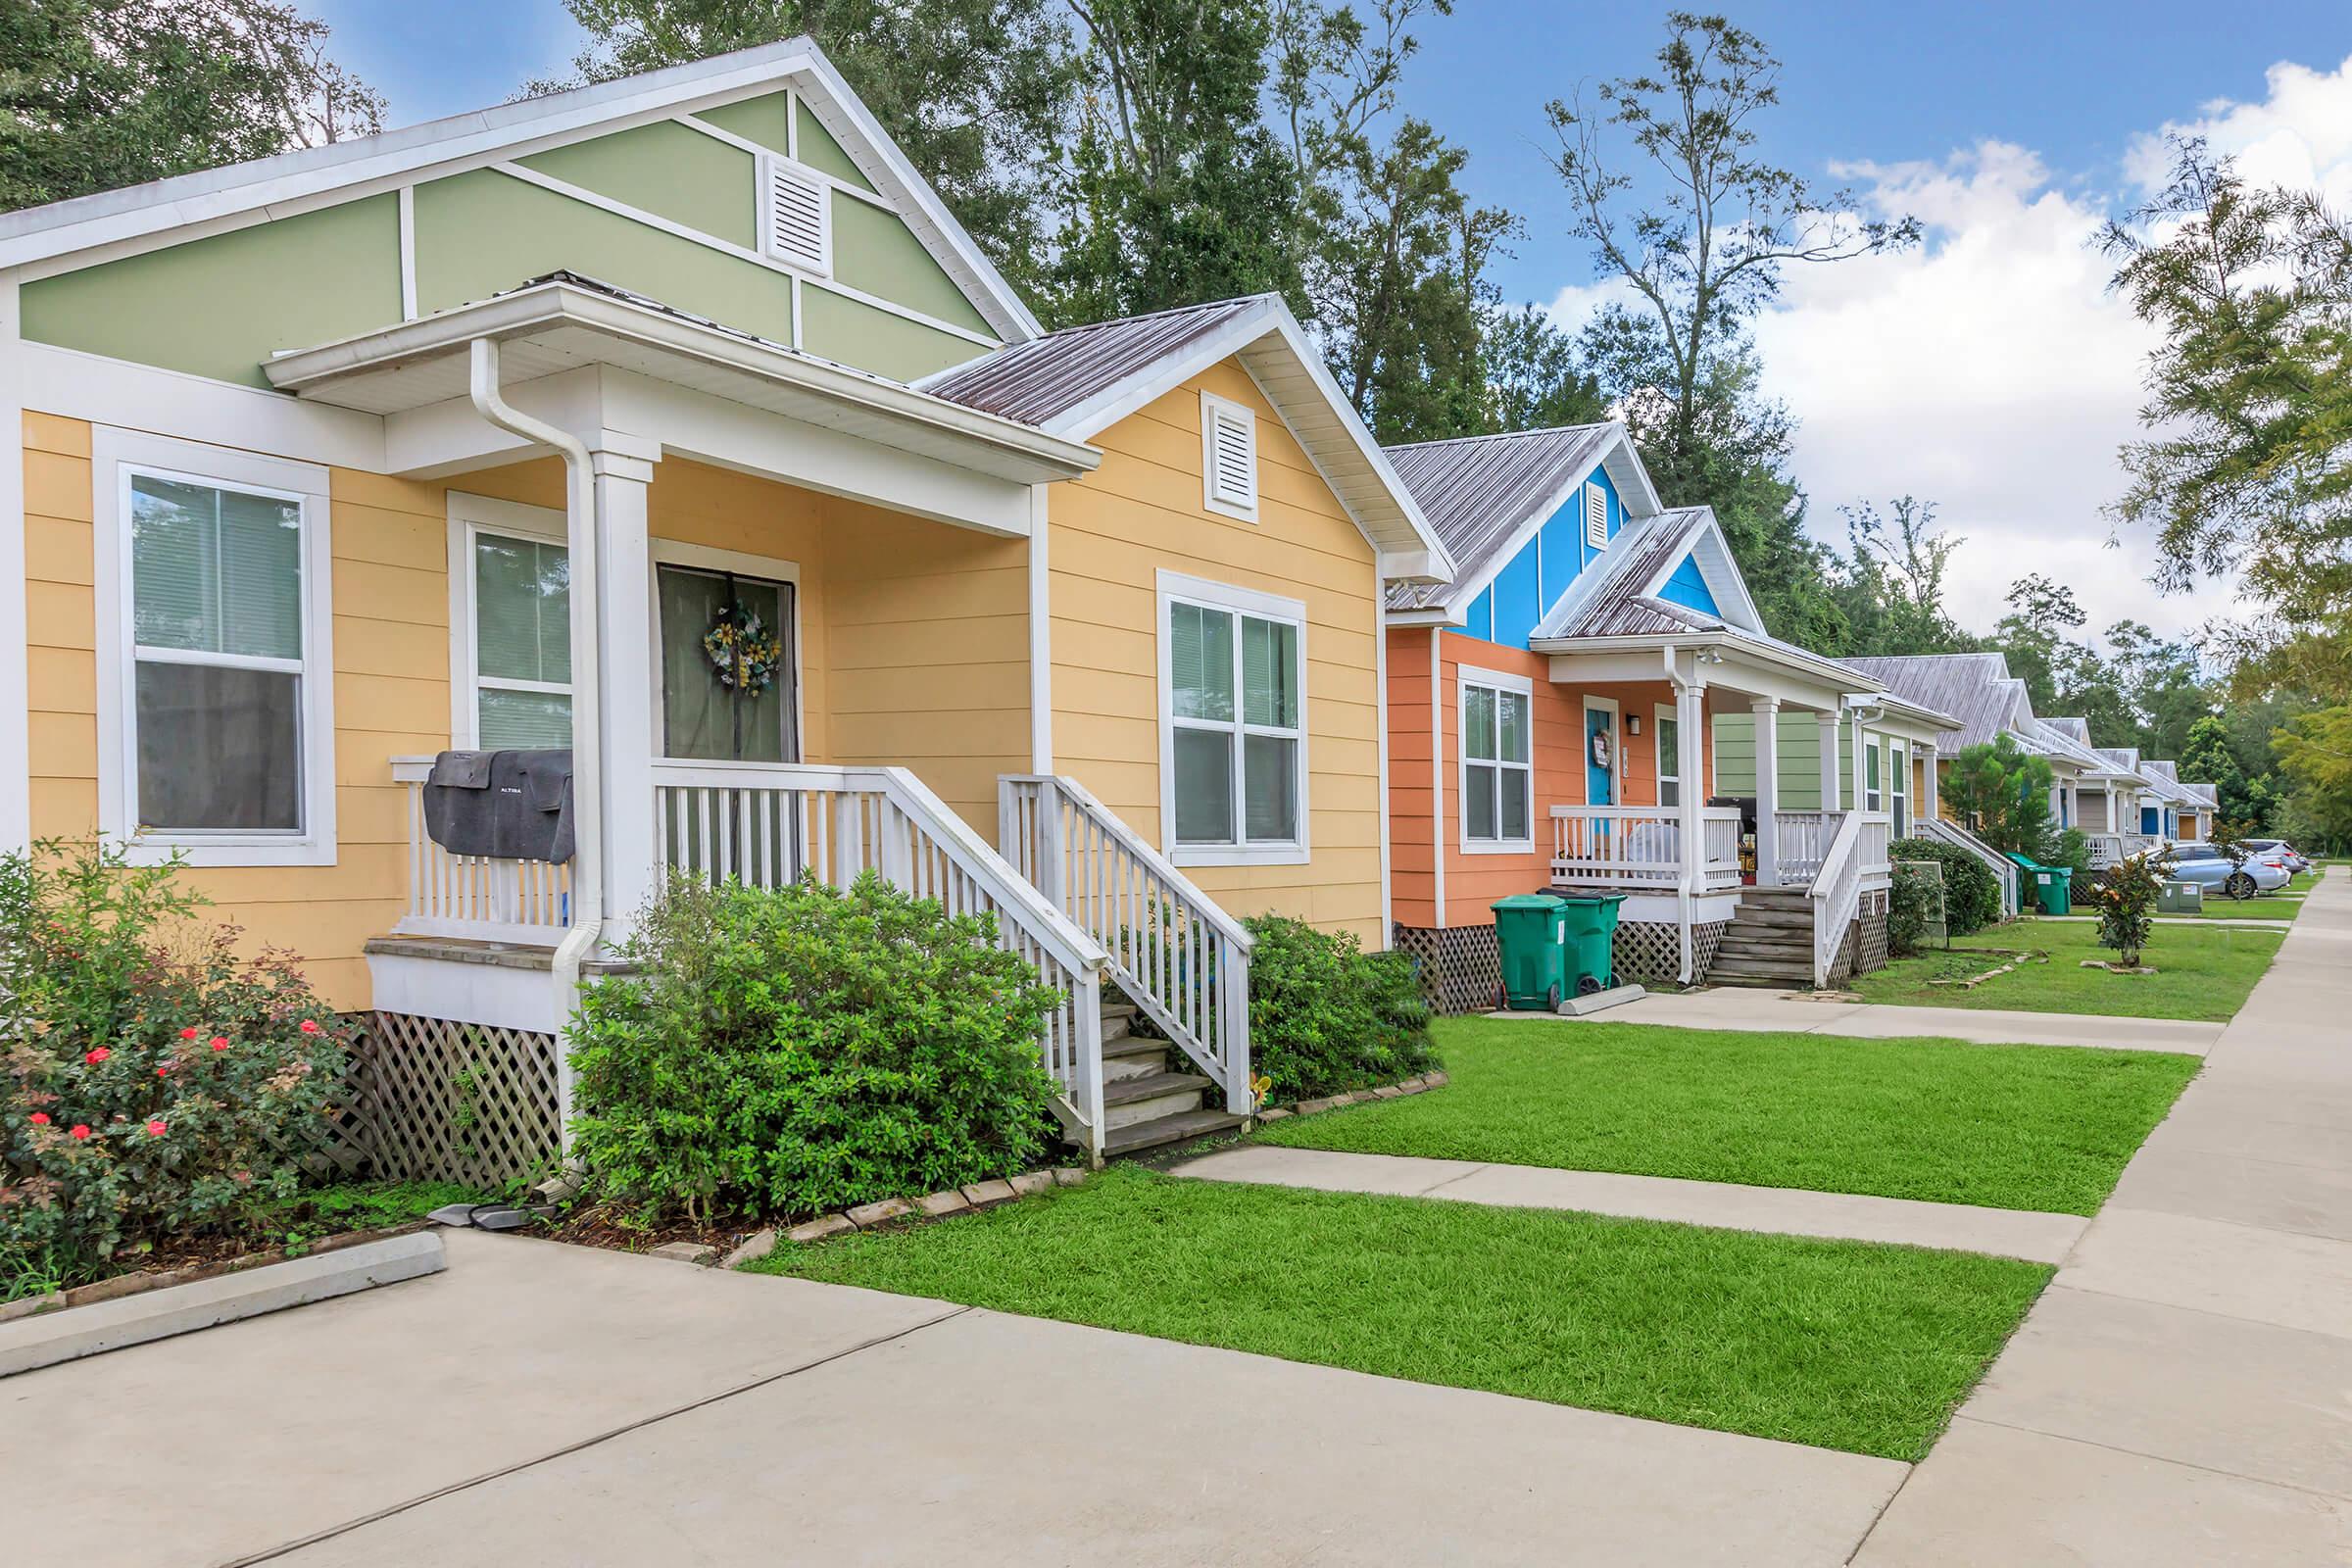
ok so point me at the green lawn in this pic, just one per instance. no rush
(2033, 1127)
(2262, 907)
(2204, 971)
(1843, 1345)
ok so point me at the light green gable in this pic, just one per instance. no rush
(482, 232)
(843, 329)
(820, 152)
(220, 306)
(670, 170)
(766, 119)
(875, 250)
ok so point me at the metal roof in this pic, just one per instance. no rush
(1975, 689)
(1618, 603)
(2077, 730)
(1478, 492)
(1039, 381)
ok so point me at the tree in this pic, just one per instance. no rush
(2004, 792)
(1535, 378)
(1701, 261)
(1893, 583)
(2211, 758)
(2314, 753)
(2032, 638)
(977, 94)
(97, 94)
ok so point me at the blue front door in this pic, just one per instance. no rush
(1600, 756)
(2151, 822)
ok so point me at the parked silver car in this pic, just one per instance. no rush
(2297, 861)
(2210, 868)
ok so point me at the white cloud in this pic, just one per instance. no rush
(1990, 371)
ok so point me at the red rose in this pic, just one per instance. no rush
(309, 1026)
(155, 1129)
(219, 1041)
(78, 1130)
(41, 1118)
(96, 1054)
(164, 1071)
(190, 1032)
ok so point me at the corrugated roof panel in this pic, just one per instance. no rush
(1477, 491)
(1039, 381)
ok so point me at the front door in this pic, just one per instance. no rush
(1600, 756)
(729, 688)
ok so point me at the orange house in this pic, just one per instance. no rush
(1552, 724)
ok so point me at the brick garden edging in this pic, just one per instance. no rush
(1357, 1097)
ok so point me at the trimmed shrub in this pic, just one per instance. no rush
(785, 1050)
(154, 1083)
(1326, 1016)
(1972, 894)
(1910, 904)
(2125, 897)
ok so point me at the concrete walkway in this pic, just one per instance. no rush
(539, 1403)
(2182, 1393)
(1785, 1210)
(1796, 1012)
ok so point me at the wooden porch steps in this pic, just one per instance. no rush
(1768, 941)
(1149, 1100)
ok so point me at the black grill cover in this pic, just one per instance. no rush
(507, 805)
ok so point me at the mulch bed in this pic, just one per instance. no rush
(617, 1231)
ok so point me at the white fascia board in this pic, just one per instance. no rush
(1630, 476)
(485, 134)
(1267, 317)
(1824, 681)
(843, 112)
(1724, 579)
(143, 397)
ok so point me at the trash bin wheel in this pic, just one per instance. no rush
(1553, 996)
(2239, 886)
(1588, 984)
(1502, 998)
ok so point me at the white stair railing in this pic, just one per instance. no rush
(2003, 869)
(1183, 960)
(769, 824)
(1836, 896)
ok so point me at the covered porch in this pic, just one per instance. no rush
(782, 615)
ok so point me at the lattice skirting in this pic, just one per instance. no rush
(437, 1100)
(1461, 968)
(1870, 939)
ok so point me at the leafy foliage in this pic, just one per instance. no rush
(1325, 1015)
(2125, 900)
(155, 1083)
(780, 1051)
(2004, 792)
(1911, 900)
(1972, 894)
(98, 94)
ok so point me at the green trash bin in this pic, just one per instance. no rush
(2050, 887)
(1527, 935)
(1590, 926)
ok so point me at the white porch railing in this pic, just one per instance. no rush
(769, 824)
(1854, 863)
(2003, 869)
(1642, 846)
(1804, 840)
(2108, 847)
(526, 902)
(1183, 960)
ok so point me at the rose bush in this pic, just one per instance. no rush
(153, 1082)
(2124, 896)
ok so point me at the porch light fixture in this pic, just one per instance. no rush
(1633, 724)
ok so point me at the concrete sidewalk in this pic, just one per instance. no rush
(2182, 1393)
(540, 1403)
(1781, 1210)
(1796, 1012)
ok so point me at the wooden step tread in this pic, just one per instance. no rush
(1136, 1045)
(1185, 1124)
(1152, 1085)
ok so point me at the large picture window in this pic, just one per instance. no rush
(1497, 762)
(216, 729)
(1233, 722)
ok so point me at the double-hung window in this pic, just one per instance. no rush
(1899, 762)
(214, 685)
(1873, 799)
(1670, 757)
(512, 615)
(1233, 733)
(1497, 762)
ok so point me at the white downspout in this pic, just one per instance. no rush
(587, 761)
(1693, 849)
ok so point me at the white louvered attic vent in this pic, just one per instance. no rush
(1597, 517)
(1229, 456)
(796, 218)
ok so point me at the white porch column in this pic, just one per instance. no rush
(1932, 807)
(1689, 734)
(1831, 778)
(631, 665)
(1768, 790)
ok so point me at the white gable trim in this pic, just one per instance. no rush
(86, 230)
(1720, 569)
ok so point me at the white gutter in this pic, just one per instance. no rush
(587, 768)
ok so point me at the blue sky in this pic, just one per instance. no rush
(1989, 371)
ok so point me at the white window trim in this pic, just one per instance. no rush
(708, 558)
(1874, 749)
(1212, 405)
(1661, 716)
(1465, 677)
(117, 455)
(1898, 786)
(1584, 749)
(469, 515)
(1175, 587)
